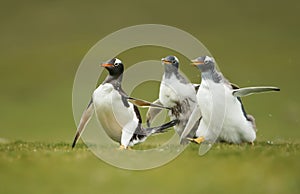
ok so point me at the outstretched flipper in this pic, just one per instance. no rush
(195, 116)
(141, 134)
(153, 112)
(144, 103)
(252, 90)
(86, 116)
(152, 130)
(161, 129)
(140, 102)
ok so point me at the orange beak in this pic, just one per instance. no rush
(106, 65)
(195, 62)
(165, 61)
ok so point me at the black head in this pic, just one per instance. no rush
(114, 66)
(204, 64)
(170, 61)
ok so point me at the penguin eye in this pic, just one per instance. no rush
(116, 64)
(206, 61)
(173, 62)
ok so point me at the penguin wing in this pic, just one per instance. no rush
(195, 116)
(144, 103)
(152, 112)
(252, 90)
(86, 116)
(140, 102)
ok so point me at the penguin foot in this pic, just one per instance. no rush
(252, 143)
(197, 140)
(122, 147)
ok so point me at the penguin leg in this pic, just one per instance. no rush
(122, 147)
(197, 140)
(127, 133)
(195, 116)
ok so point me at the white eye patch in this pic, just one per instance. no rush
(208, 59)
(118, 61)
(176, 59)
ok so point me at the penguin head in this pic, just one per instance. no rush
(170, 61)
(204, 63)
(114, 66)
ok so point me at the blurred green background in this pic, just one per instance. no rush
(42, 44)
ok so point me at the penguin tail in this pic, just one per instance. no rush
(162, 128)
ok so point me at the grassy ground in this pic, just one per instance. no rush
(33, 167)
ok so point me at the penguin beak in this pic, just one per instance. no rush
(195, 62)
(165, 61)
(107, 65)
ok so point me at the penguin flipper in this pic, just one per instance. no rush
(162, 128)
(252, 90)
(195, 116)
(144, 103)
(153, 112)
(140, 102)
(86, 116)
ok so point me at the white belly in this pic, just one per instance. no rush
(111, 112)
(173, 92)
(236, 128)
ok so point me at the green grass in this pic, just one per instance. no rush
(34, 167)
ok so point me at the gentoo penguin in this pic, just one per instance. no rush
(116, 112)
(238, 126)
(177, 93)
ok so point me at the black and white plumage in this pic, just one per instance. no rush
(238, 126)
(119, 117)
(177, 93)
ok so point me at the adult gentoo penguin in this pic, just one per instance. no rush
(177, 93)
(116, 112)
(237, 126)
